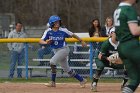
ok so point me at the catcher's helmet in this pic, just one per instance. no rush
(53, 19)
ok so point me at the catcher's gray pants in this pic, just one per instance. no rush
(61, 57)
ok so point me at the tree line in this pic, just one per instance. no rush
(75, 14)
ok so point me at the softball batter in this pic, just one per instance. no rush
(128, 32)
(56, 38)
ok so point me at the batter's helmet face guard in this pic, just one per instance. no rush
(53, 19)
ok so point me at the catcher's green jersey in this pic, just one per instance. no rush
(123, 15)
(108, 48)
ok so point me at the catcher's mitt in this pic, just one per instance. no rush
(115, 59)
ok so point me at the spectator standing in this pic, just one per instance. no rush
(108, 26)
(16, 50)
(95, 31)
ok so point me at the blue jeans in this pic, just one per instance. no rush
(44, 51)
(16, 57)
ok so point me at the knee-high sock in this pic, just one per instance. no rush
(53, 75)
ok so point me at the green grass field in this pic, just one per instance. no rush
(59, 80)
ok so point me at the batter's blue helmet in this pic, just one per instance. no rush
(53, 19)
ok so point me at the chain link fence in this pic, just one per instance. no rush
(78, 58)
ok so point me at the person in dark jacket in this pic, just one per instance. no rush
(95, 31)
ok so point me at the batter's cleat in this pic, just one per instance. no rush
(83, 83)
(51, 84)
(94, 87)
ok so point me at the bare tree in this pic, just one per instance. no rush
(75, 14)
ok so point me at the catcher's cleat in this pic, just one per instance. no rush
(124, 83)
(94, 87)
(51, 84)
(122, 87)
(83, 83)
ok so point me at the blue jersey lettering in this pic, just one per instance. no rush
(58, 37)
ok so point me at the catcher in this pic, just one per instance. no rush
(108, 57)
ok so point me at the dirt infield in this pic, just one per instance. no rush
(60, 88)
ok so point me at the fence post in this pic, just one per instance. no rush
(26, 59)
(91, 60)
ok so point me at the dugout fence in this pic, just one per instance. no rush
(79, 57)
